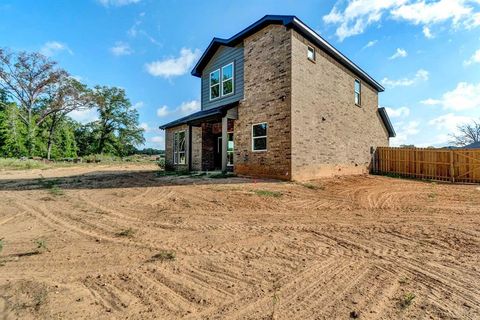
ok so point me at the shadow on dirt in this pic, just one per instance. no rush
(122, 179)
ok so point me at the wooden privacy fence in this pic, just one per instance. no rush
(455, 165)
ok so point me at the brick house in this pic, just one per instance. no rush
(277, 100)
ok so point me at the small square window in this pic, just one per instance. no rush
(358, 92)
(311, 53)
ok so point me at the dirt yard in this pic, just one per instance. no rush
(122, 242)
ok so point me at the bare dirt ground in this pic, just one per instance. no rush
(110, 242)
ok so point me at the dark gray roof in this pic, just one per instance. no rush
(386, 122)
(299, 26)
(475, 145)
(200, 116)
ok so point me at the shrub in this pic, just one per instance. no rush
(164, 255)
(41, 245)
(407, 300)
(126, 233)
(267, 193)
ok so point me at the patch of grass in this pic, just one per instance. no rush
(268, 193)
(312, 186)
(173, 173)
(56, 191)
(164, 255)
(41, 245)
(222, 175)
(1, 245)
(19, 164)
(402, 280)
(39, 298)
(407, 300)
(432, 195)
(126, 233)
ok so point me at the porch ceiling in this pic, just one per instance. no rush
(201, 116)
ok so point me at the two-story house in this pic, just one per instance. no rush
(277, 100)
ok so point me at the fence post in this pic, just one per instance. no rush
(452, 167)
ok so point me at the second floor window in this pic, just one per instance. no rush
(358, 91)
(227, 79)
(215, 84)
(222, 81)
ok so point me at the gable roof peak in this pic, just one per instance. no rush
(288, 21)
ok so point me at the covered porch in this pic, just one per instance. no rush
(202, 141)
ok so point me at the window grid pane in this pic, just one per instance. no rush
(215, 84)
(260, 144)
(260, 130)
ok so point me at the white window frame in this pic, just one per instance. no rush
(314, 53)
(176, 153)
(265, 136)
(359, 92)
(232, 78)
(219, 84)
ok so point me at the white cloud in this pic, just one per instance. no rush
(449, 122)
(51, 48)
(189, 107)
(431, 102)
(370, 44)
(162, 111)
(146, 127)
(399, 53)
(117, 3)
(84, 116)
(357, 15)
(121, 49)
(427, 33)
(402, 112)
(421, 75)
(405, 131)
(422, 12)
(158, 141)
(138, 105)
(475, 58)
(174, 66)
(185, 108)
(465, 96)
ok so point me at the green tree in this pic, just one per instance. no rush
(27, 77)
(118, 128)
(12, 131)
(63, 97)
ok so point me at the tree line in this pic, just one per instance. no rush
(36, 100)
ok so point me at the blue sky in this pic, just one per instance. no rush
(425, 53)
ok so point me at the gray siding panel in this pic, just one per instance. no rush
(222, 57)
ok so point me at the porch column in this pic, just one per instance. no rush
(224, 143)
(189, 147)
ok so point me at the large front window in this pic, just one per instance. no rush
(215, 84)
(259, 137)
(179, 148)
(227, 79)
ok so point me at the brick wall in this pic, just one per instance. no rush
(267, 69)
(330, 134)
